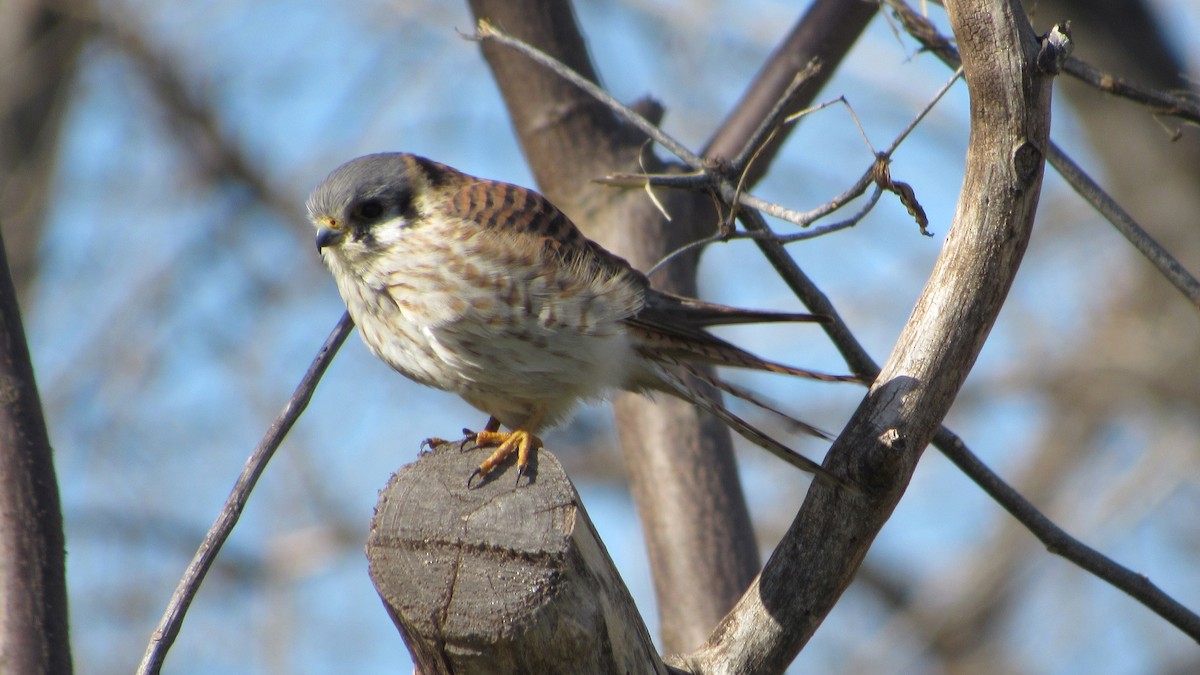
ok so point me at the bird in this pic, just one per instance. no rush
(487, 290)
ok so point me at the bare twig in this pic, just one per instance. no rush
(924, 111)
(730, 192)
(703, 181)
(168, 628)
(832, 227)
(774, 119)
(877, 173)
(721, 236)
(727, 190)
(849, 109)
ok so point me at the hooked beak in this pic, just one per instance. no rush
(327, 236)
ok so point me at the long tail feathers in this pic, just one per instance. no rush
(754, 399)
(675, 383)
(699, 313)
(680, 344)
(755, 363)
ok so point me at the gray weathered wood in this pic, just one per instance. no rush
(501, 580)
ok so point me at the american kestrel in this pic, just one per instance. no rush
(487, 290)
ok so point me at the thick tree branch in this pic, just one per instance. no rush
(885, 437)
(33, 584)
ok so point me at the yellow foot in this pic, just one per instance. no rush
(429, 444)
(518, 440)
(469, 436)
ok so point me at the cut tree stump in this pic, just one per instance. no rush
(498, 579)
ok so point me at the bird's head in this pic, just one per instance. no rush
(366, 204)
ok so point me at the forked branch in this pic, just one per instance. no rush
(1186, 106)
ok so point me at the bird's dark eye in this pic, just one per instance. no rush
(370, 209)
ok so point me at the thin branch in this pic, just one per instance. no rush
(1184, 105)
(1058, 542)
(876, 173)
(715, 238)
(168, 628)
(703, 179)
(937, 96)
(924, 32)
(1100, 200)
(773, 120)
(719, 236)
(693, 180)
(728, 191)
(853, 116)
(803, 218)
(832, 227)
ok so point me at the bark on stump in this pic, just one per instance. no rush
(501, 580)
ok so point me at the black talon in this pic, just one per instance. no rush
(520, 472)
(470, 478)
(468, 437)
